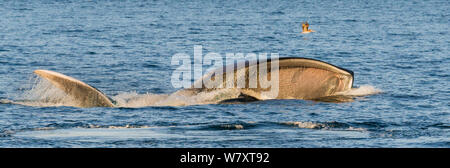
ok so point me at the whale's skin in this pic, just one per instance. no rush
(299, 78)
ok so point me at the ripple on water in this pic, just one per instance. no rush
(121, 52)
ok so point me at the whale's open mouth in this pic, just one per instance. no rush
(299, 78)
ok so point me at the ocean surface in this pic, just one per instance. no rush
(398, 50)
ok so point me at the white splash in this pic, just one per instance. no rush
(309, 125)
(324, 126)
(44, 94)
(180, 98)
(363, 90)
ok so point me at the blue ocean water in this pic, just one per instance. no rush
(124, 49)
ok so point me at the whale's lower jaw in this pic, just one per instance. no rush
(299, 78)
(83, 94)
